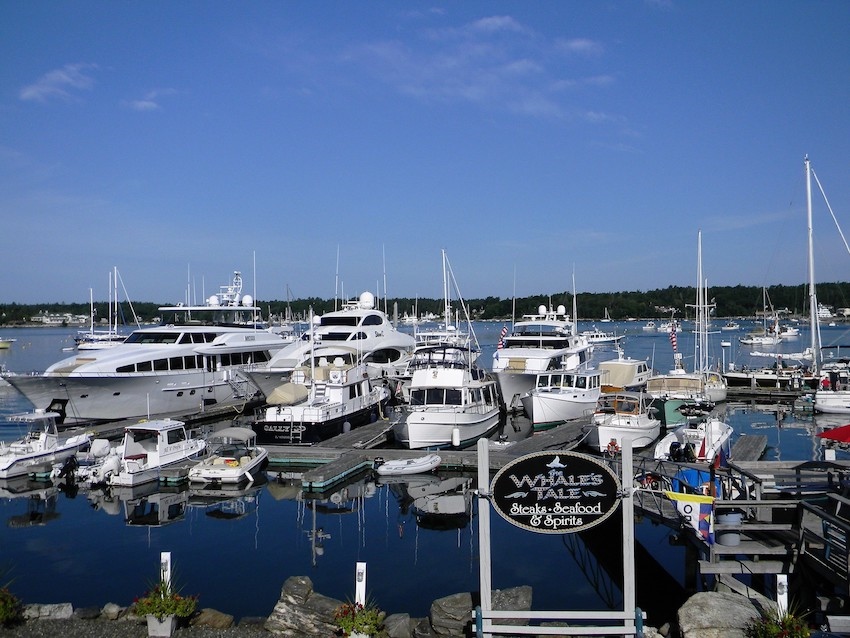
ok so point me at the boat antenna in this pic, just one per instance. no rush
(384, 256)
(336, 280)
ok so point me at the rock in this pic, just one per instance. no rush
(452, 615)
(302, 613)
(58, 611)
(398, 626)
(252, 622)
(423, 629)
(87, 613)
(212, 618)
(715, 615)
(111, 611)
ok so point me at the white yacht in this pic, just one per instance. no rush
(560, 396)
(330, 393)
(451, 405)
(541, 342)
(358, 326)
(619, 416)
(172, 369)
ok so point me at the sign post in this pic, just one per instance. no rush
(559, 492)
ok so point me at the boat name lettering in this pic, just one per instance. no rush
(555, 493)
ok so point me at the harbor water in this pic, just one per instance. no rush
(235, 550)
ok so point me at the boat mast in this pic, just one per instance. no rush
(813, 299)
(447, 308)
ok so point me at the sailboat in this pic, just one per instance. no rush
(703, 384)
(99, 339)
(606, 318)
(765, 336)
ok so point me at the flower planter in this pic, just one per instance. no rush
(161, 628)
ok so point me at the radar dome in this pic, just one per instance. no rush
(367, 300)
(317, 320)
(213, 300)
(247, 301)
(541, 309)
(562, 310)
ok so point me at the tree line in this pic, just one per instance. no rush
(729, 301)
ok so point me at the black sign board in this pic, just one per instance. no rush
(555, 492)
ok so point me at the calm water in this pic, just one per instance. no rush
(236, 552)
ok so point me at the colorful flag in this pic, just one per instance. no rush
(502, 336)
(698, 511)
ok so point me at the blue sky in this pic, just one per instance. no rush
(180, 141)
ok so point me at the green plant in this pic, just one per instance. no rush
(163, 600)
(776, 624)
(357, 618)
(11, 608)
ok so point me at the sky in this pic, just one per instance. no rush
(326, 148)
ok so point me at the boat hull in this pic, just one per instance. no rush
(547, 410)
(427, 429)
(109, 398)
(641, 432)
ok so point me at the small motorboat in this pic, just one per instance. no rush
(234, 457)
(40, 447)
(407, 466)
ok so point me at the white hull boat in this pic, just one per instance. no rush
(148, 448)
(620, 416)
(400, 467)
(159, 371)
(541, 342)
(358, 326)
(40, 448)
(562, 396)
(696, 442)
(234, 457)
(449, 407)
(623, 373)
(329, 396)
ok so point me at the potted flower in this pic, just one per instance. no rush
(357, 621)
(163, 606)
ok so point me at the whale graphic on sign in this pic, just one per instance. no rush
(556, 462)
(517, 495)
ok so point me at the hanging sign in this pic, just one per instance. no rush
(555, 492)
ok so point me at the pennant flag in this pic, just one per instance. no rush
(502, 336)
(698, 511)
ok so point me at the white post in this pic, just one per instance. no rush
(165, 569)
(360, 584)
(782, 593)
(484, 574)
(627, 504)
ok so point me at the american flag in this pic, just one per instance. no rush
(502, 336)
(673, 336)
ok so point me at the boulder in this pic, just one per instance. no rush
(398, 626)
(111, 611)
(212, 618)
(452, 615)
(87, 613)
(301, 612)
(715, 615)
(57, 611)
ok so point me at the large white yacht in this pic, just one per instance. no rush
(541, 342)
(171, 369)
(358, 326)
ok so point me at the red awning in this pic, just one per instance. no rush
(840, 434)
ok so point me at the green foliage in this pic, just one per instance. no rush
(774, 624)
(163, 600)
(11, 608)
(357, 618)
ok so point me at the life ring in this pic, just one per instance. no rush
(613, 447)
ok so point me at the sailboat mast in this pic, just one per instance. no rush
(447, 309)
(813, 299)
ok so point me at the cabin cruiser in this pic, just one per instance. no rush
(234, 457)
(697, 441)
(183, 367)
(541, 342)
(330, 393)
(452, 404)
(620, 416)
(148, 448)
(358, 326)
(560, 396)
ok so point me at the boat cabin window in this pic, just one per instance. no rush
(175, 436)
(581, 382)
(144, 366)
(454, 397)
(152, 337)
(372, 320)
(339, 320)
(545, 380)
(160, 365)
(359, 335)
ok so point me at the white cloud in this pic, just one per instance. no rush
(150, 101)
(60, 83)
